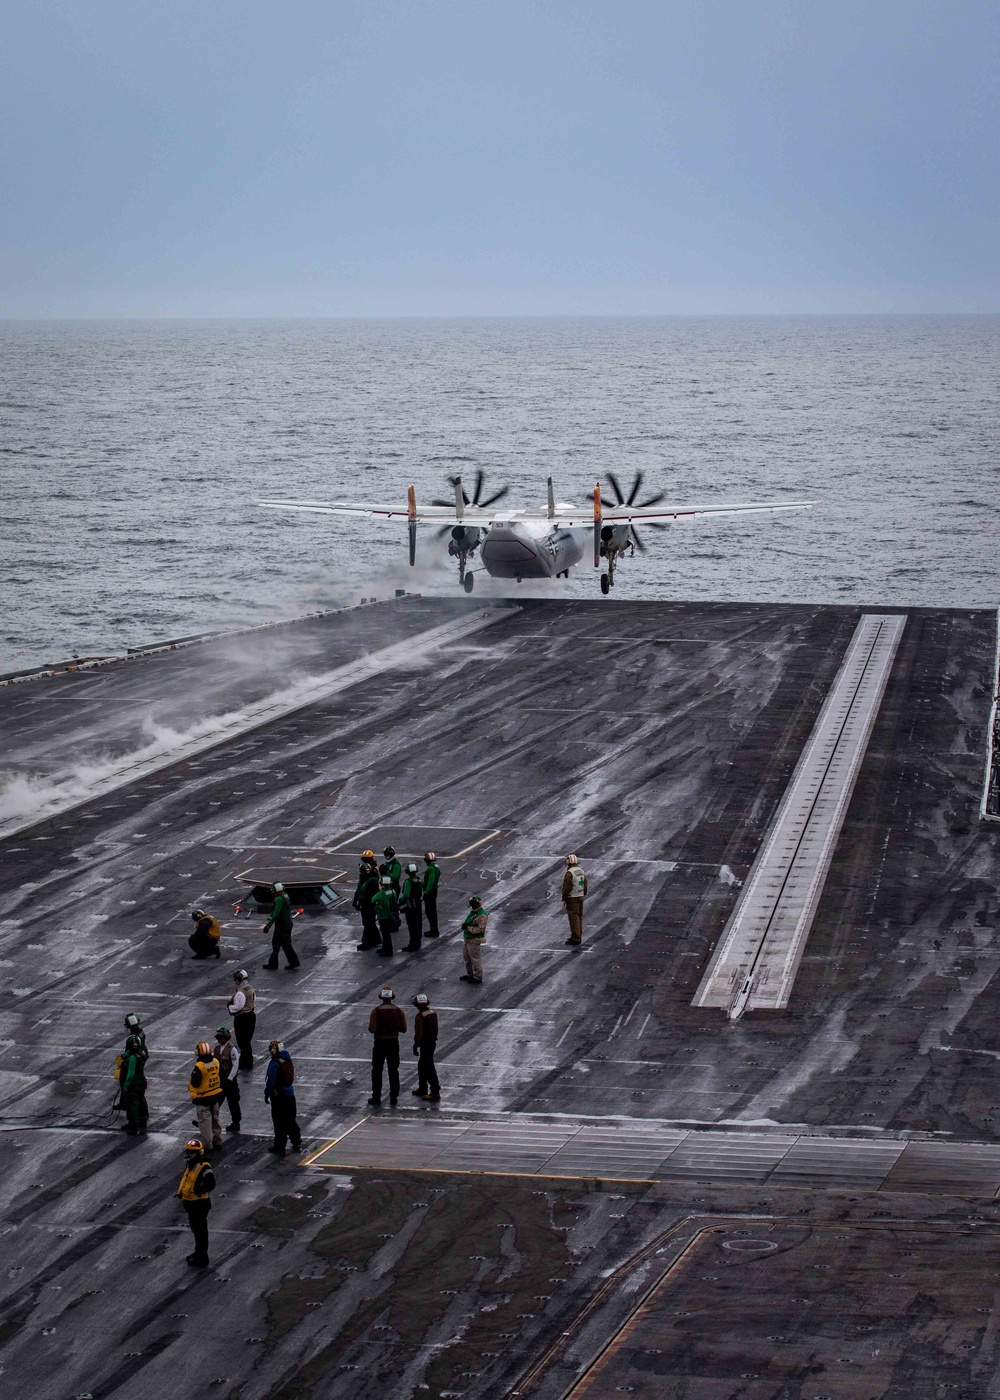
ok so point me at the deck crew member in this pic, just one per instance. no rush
(281, 938)
(411, 904)
(229, 1062)
(386, 1023)
(242, 1006)
(204, 942)
(279, 1092)
(386, 913)
(131, 1075)
(425, 1034)
(432, 878)
(391, 867)
(574, 891)
(205, 1088)
(473, 938)
(364, 897)
(133, 1026)
(198, 1180)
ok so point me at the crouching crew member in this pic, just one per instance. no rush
(229, 1062)
(205, 1088)
(279, 1092)
(432, 878)
(473, 938)
(196, 1183)
(411, 904)
(386, 913)
(204, 942)
(131, 1076)
(242, 1006)
(281, 938)
(386, 1023)
(425, 1034)
(364, 901)
(574, 891)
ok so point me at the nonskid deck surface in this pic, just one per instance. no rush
(655, 740)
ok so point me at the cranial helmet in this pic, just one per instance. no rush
(198, 914)
(430, 856)
(204, 1048)
(476, 902)
(132, 1021)
(387, 994)
(411, 869)
(389, 851)
(367, 855)
(240, 975)
(133, 1043)
(195, 1145)
(278, 887)
(223, 1032)
(274, 1046)
(572, 860)
(386, 881)
(421, 999)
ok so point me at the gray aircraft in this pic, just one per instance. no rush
(543, 542)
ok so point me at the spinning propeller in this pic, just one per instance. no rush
(477, 500)
(630, 500)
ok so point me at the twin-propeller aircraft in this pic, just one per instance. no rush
(542, 542)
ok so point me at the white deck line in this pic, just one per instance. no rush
(991, 737)
(758, 956)
(275, 706)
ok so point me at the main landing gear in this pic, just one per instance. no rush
(469, 581)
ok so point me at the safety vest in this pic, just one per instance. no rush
(189, 1180)
(213, 930)
(577, 882)
(211, 1081)
(248, 1007)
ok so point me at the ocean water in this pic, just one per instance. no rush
(132, 454)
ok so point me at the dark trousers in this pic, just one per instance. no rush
(386, 929)
(243, 1029)
(281, 942)
(197, 1214)
(231, 1089)
(426, 1073)
(204, 947)
(136, 1111)
(431, 909)
(285, 1127)
(385, 1052)
(369, 926)
(414, 925)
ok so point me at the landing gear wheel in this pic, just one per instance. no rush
(605, 585)
(470, 582)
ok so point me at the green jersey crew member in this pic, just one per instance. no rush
(131, 1077)
(364, 901)
(411, 904)
(281, 938)
(391, 867)
(205, 1088)
(193, 1192)
(432, 878)
(473, 938)
(387, 915)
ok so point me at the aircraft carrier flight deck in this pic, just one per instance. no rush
(743, 1141)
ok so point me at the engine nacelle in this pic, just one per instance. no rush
(464, 539)
(615, 537)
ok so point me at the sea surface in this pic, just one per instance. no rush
(132, 455)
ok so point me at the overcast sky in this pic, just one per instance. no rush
(454, 157)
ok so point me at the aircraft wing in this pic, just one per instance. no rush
(565, 517)
(437, 515)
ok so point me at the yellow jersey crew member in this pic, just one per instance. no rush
(193, 1193)
(205, 1088)
(473, 938)
(204, 942)
(574, 892)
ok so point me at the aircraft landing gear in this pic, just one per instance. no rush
(605, 584)
(469, 582)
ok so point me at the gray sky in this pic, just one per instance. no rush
(426, 157)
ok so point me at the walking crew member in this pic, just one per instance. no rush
(229, 1062)
(386, 913)
(391, 867)
(205, 1088)
(132, 1086)
(411, 903)
(386, 1023)
(280, 1094)
(204, 942)
(425, 1034)
(473, 937)
(242, 1006)
(133, 1026)
(364, 901)
(574, 891)
(432, 878)
(281, 938)
(198, 1180)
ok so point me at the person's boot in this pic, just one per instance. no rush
(432, 1098)
(419, 1091)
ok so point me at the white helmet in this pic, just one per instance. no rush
(278, 887)
(411, 869)
(387, 994)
